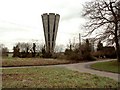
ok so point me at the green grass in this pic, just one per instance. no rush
(49, 77)
(111, 66)
(9, 61)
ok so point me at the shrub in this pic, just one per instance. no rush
(83, 52)
(106, 52)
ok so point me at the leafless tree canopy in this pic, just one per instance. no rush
(104, 16)
(101, 15)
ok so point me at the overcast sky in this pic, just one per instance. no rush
(20, 20)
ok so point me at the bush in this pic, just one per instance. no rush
(106, 52)
(59, 55)
(83, 52)
(47, 55)
(76, 56)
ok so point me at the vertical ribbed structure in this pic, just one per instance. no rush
(50, 25)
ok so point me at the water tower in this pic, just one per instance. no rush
(50, 26)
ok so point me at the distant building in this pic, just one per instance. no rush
(50, 25)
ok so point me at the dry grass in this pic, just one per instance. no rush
(11, 62)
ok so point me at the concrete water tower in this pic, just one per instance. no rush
(50, 26)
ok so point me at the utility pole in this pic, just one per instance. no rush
(79, 39)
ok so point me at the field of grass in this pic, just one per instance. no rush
(111, 66)
(7, 62)
(45, 77)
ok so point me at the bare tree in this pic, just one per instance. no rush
(71, 45)
(104, 17)
(24, 46)
(59, 48)
(4, 50)
(39, 47)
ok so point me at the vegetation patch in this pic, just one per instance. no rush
(111, 66)
(15, 62)
(49, 77)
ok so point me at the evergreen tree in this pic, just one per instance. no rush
(99, 46)
(16, 51)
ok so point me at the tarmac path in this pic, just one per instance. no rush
(81, 67)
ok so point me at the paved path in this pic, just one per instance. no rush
(81, 67)
(85, 67)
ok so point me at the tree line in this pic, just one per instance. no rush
(74, 51)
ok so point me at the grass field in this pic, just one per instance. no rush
(111, 66)
(7, 62)
(45, 77)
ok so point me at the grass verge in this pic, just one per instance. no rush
(17, 62)
(49, 77)
(110, 66)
